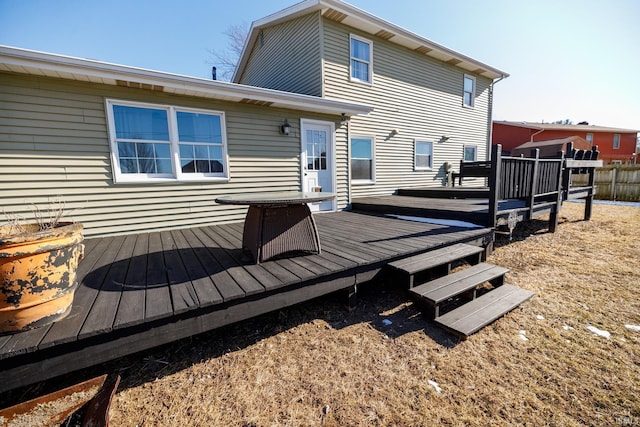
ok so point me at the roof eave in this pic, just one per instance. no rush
(46, 64)
(360, 19)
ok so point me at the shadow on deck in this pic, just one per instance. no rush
(140, 291)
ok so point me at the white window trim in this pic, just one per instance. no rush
(616, 146)
(351, 58)
(475, 152)
(373, 159)
(415, 153)
(589, 139)
(473, 95)
(177, 175)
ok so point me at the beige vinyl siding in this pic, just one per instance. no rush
(287, 57)
(417, 95)
(54, 143)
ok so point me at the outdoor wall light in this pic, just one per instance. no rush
(444, 138)
(285, 128)
(343, 119)
(395, 132)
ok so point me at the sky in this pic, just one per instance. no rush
(567, 59)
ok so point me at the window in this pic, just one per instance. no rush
(362, 160)
(470, 153)
(361, 59)
(616, 141)
(423, 155)
(469, 91)
(590, 138)
(164, 143)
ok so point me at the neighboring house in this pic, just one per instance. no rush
(431, 105)
(550, 148)
(132, 150)
(615, 145)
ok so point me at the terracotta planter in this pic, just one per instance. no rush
(37, 275)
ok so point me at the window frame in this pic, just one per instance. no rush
(415, 155)
(174, 143)
(372, 178)
(369, 80)
(589, 137)
(473, 91)
(475, 152)
(616, 141)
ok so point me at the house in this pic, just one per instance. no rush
(551, 148)
(431, 105)
(615, 145)
(133, 150)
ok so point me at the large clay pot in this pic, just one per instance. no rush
(37, 274)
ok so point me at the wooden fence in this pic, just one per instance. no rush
(615, 183)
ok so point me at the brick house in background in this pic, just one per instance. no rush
(615, 145)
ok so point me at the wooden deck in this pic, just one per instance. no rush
(140, 291)
(473, 210)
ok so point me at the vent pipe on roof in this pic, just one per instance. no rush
(213, 73)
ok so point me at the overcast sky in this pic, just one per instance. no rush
(568, 59)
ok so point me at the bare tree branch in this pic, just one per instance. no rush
(226, 61)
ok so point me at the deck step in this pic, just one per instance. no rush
(482, 311)
(437, 291)
(411, 266)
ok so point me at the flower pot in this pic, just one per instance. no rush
(37, 274)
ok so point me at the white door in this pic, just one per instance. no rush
(318, 160)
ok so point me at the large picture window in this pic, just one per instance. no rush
(164, 143)
(361, 59)
(423, 155)
(362, 160)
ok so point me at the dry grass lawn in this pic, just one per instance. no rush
(317, 364)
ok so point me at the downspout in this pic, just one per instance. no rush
(536, 133)
(490, 133)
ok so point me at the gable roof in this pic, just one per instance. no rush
(352, 16)
(556, 126)
(66, 67)
(550, 147)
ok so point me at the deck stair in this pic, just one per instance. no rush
(478, 292)
(436, 262)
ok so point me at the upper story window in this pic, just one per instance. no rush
(361, 59)
(362, 160)
(469, 91)
(590, 138)
(470, 153)
(159, 143)
(616, 141)
(423, 155)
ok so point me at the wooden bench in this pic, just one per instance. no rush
(481, 169)
(432, 294)
(409, 267)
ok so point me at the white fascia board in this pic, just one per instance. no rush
(41, 63)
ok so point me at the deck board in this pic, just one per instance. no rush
(107, 279)
(206, 291)
(127, 284)
(140, 291)
(183, 295)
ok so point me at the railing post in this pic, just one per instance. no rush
(588, 203)
(533, 185)
(555, 211)
(494, 182)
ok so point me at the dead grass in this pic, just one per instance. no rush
(318, 364)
